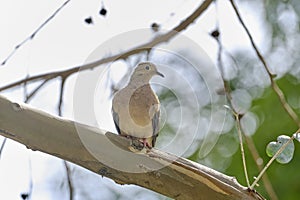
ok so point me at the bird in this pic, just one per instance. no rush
(136, 108)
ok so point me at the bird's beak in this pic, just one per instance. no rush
(160, 74)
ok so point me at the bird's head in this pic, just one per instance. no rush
(145, 71)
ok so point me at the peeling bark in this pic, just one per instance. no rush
(110, 155)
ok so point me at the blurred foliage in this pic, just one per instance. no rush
(274, 121)
(281, 24)
(276, 11)
(281, 49)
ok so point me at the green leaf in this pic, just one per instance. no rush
(287, 154)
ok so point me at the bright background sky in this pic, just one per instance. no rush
(66, 42)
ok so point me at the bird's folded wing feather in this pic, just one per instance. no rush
(116, 120)
(155, 126)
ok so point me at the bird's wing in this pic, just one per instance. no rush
(155, 126)
(116, 120)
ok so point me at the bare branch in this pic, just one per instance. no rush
(239, 129)
(2, 146)
(159, 171)
(227, 90)
(249, 141)
(274, 85)
(70, 184)
(35, 32)
(144, 47)
(255, 155)
(276, 89)
(250, 144)
(29, 96)
(62, 87)
(67, 167)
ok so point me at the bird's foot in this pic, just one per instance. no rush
(145, 142)
(138, 143)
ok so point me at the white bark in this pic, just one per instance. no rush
(107, 154)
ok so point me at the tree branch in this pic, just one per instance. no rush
(2, 146)
(274, 85)
(215, 34)
(229, 99)
(69, 180)
(35, 32)
(34, 92)
(144, 47)
(162, 172)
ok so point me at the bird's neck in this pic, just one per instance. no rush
(138, 82)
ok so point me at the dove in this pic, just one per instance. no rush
(136, 108)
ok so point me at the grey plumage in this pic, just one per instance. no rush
(136, 108)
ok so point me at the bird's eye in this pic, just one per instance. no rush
(147, 67)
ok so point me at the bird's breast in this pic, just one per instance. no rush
(143, 104)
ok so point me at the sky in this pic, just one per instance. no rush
(67, 41)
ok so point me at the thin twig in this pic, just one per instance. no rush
(62, 86)
(70, 185)
(144, 47)
(249, 141)
(45, 76)
(229, 99)
(29, 96)
(35, 32)
(238, 124)
(59, 108)
(2, 146)
(265, 178)
(274, 85)
(25, 89)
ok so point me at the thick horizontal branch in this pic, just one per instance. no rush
(143, 47)
(108, 154)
